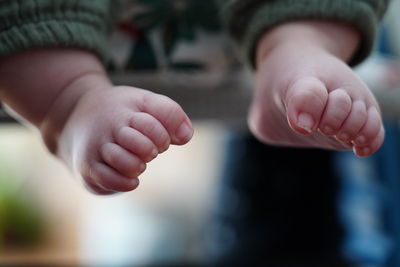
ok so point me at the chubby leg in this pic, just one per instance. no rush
(306, 95)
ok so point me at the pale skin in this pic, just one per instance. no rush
(306, 95)
(107, 134)
(104, 133)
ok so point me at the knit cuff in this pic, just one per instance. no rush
(53, 23)
(359, 14)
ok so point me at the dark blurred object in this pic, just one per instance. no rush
(277, 207)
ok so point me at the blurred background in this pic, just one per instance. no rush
(211, 201)
(47, 217)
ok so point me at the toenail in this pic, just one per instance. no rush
(360, 140)
(164, 147)
(344, 137)
(154, 153)
(184, 132)
(142, 168)
(355, 151)
(327, 130)
(305, 121)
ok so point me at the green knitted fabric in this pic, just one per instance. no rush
(247, 20)
(26, 24)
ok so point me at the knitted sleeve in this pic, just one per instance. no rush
(26, 24)
(247, 20)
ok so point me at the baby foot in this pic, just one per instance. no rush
(112, 133)
(314, 102)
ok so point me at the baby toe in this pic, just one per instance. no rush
(171, 116)
(110, 180)
(376, 143)
(354, 122)
(336, 111)
(96, 189)
(150, 127)
(137, 143)
(125, 163)
(370, 129)
(305, 102)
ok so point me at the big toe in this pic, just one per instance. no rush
(171, 116)
(305, 102)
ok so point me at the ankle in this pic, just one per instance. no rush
(65, 104)
(337, 39)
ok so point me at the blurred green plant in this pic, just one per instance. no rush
(21, 222)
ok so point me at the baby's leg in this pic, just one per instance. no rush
(113, 132)
(307, 96)
(105, 134)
